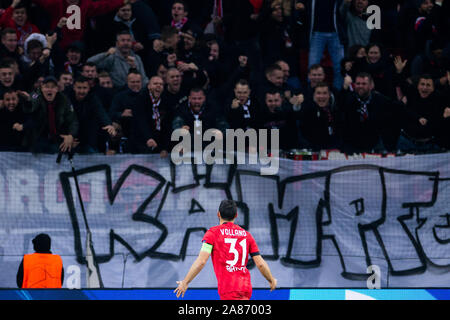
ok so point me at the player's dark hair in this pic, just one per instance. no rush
(228, 210)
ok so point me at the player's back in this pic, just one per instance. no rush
(231, 246)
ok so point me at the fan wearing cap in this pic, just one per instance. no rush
(54, 123)
(41, 269)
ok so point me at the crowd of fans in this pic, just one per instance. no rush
(135, 70)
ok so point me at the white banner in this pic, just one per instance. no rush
(343, 223)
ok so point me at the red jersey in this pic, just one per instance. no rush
(231, 246)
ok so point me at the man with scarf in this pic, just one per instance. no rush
(180, 19)
(319, 120)
(367, 117)
(242, 111)
(150, 127)
(197, 115)
(57, 10)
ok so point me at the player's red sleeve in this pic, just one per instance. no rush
(253, 249)
(209, 237)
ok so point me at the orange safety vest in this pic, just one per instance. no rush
(42, 270)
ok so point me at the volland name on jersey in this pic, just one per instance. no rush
(233, 232)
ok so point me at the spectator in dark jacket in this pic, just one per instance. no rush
(178, 86)
(421, 117)
(433, 62)
(367, 117)
(9, 47)
(216, 64)
(122, 104)
(89, 71)
(379, 66)
(443, 126)
(316, 74)
(242, 24)
(175, 90)
(124, 20)
(274, 81)
(243, 111)
(12, 120)
(92, 118)
(277, 40)
(151, 129)
(280, 115)
(73, 59)
(419, 23)
(197, 115)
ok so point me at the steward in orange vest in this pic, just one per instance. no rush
(41, 269)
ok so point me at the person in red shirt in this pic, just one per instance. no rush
(16, 17)
(229, 245)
